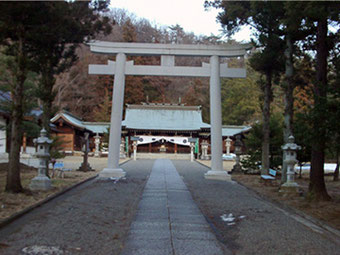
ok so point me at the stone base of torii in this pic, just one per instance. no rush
(121, 67)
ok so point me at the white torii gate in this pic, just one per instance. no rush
(121, 67)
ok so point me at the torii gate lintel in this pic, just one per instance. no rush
(121, 67)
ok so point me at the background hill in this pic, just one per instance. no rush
(89, 96)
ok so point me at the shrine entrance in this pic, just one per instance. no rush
(214, 70)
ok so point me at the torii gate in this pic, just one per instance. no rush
(121, 67)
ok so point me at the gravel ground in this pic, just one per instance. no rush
(262, 228)
(93, 218)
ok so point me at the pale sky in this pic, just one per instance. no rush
(189, 14)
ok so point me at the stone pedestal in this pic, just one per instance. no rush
(41, 182)
(291, 188)
(217, 175)
(112, 173)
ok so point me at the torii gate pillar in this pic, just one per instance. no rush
(214, 70)
(216, 171)
(113, 170)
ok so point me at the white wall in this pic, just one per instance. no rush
(2, 135)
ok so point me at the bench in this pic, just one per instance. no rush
(270, 176)
(59, 169)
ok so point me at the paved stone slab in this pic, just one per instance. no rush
(168, 221)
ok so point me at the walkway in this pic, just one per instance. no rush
(104, 218)
(168, 221)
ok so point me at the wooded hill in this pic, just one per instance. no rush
(89, 96)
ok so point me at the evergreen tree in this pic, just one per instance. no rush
(240, 100)
(64, 25)
(265, 18)
(40, 36)
(318, 17)
(16, 23)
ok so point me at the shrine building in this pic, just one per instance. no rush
(157, 128)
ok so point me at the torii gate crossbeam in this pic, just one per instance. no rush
(121, 67)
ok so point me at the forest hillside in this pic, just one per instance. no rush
(89, 96)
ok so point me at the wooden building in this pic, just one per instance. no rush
(71, 130)
(160, 128)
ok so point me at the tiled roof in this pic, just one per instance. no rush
(164, 117)
(234, 130)
(95, 127)
(153, 117)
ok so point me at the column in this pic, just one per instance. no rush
(113, 169)
(216, 171)
(227, 145)
(192, 146)
(122, 148)
(134, 150)
(97, 143)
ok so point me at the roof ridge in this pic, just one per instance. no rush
(71, 114)
(152, 106)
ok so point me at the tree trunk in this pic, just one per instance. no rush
(266, 127)
(317, 187)
(288, 87)
(13, 183)
(46, 87)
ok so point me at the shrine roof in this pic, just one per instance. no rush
(95, 127)
(164, 117)
(234, 130)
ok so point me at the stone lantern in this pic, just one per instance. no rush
(97, 143)
(238, 151)
(85, 166)
(290, 149)
(122, 148)
(228, 145)
(41, 181)
(192, 142)
(134, 145)
(204, 149)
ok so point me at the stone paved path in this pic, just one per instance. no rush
(168, 221)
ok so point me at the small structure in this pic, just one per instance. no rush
(134, 145)
(97, 143)
(41, 181)
(228, 145)
(71, 130)
(122, 153)
(290, 149)
(85, 166)
(238, 151)
(192, 142)
(204, 147)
